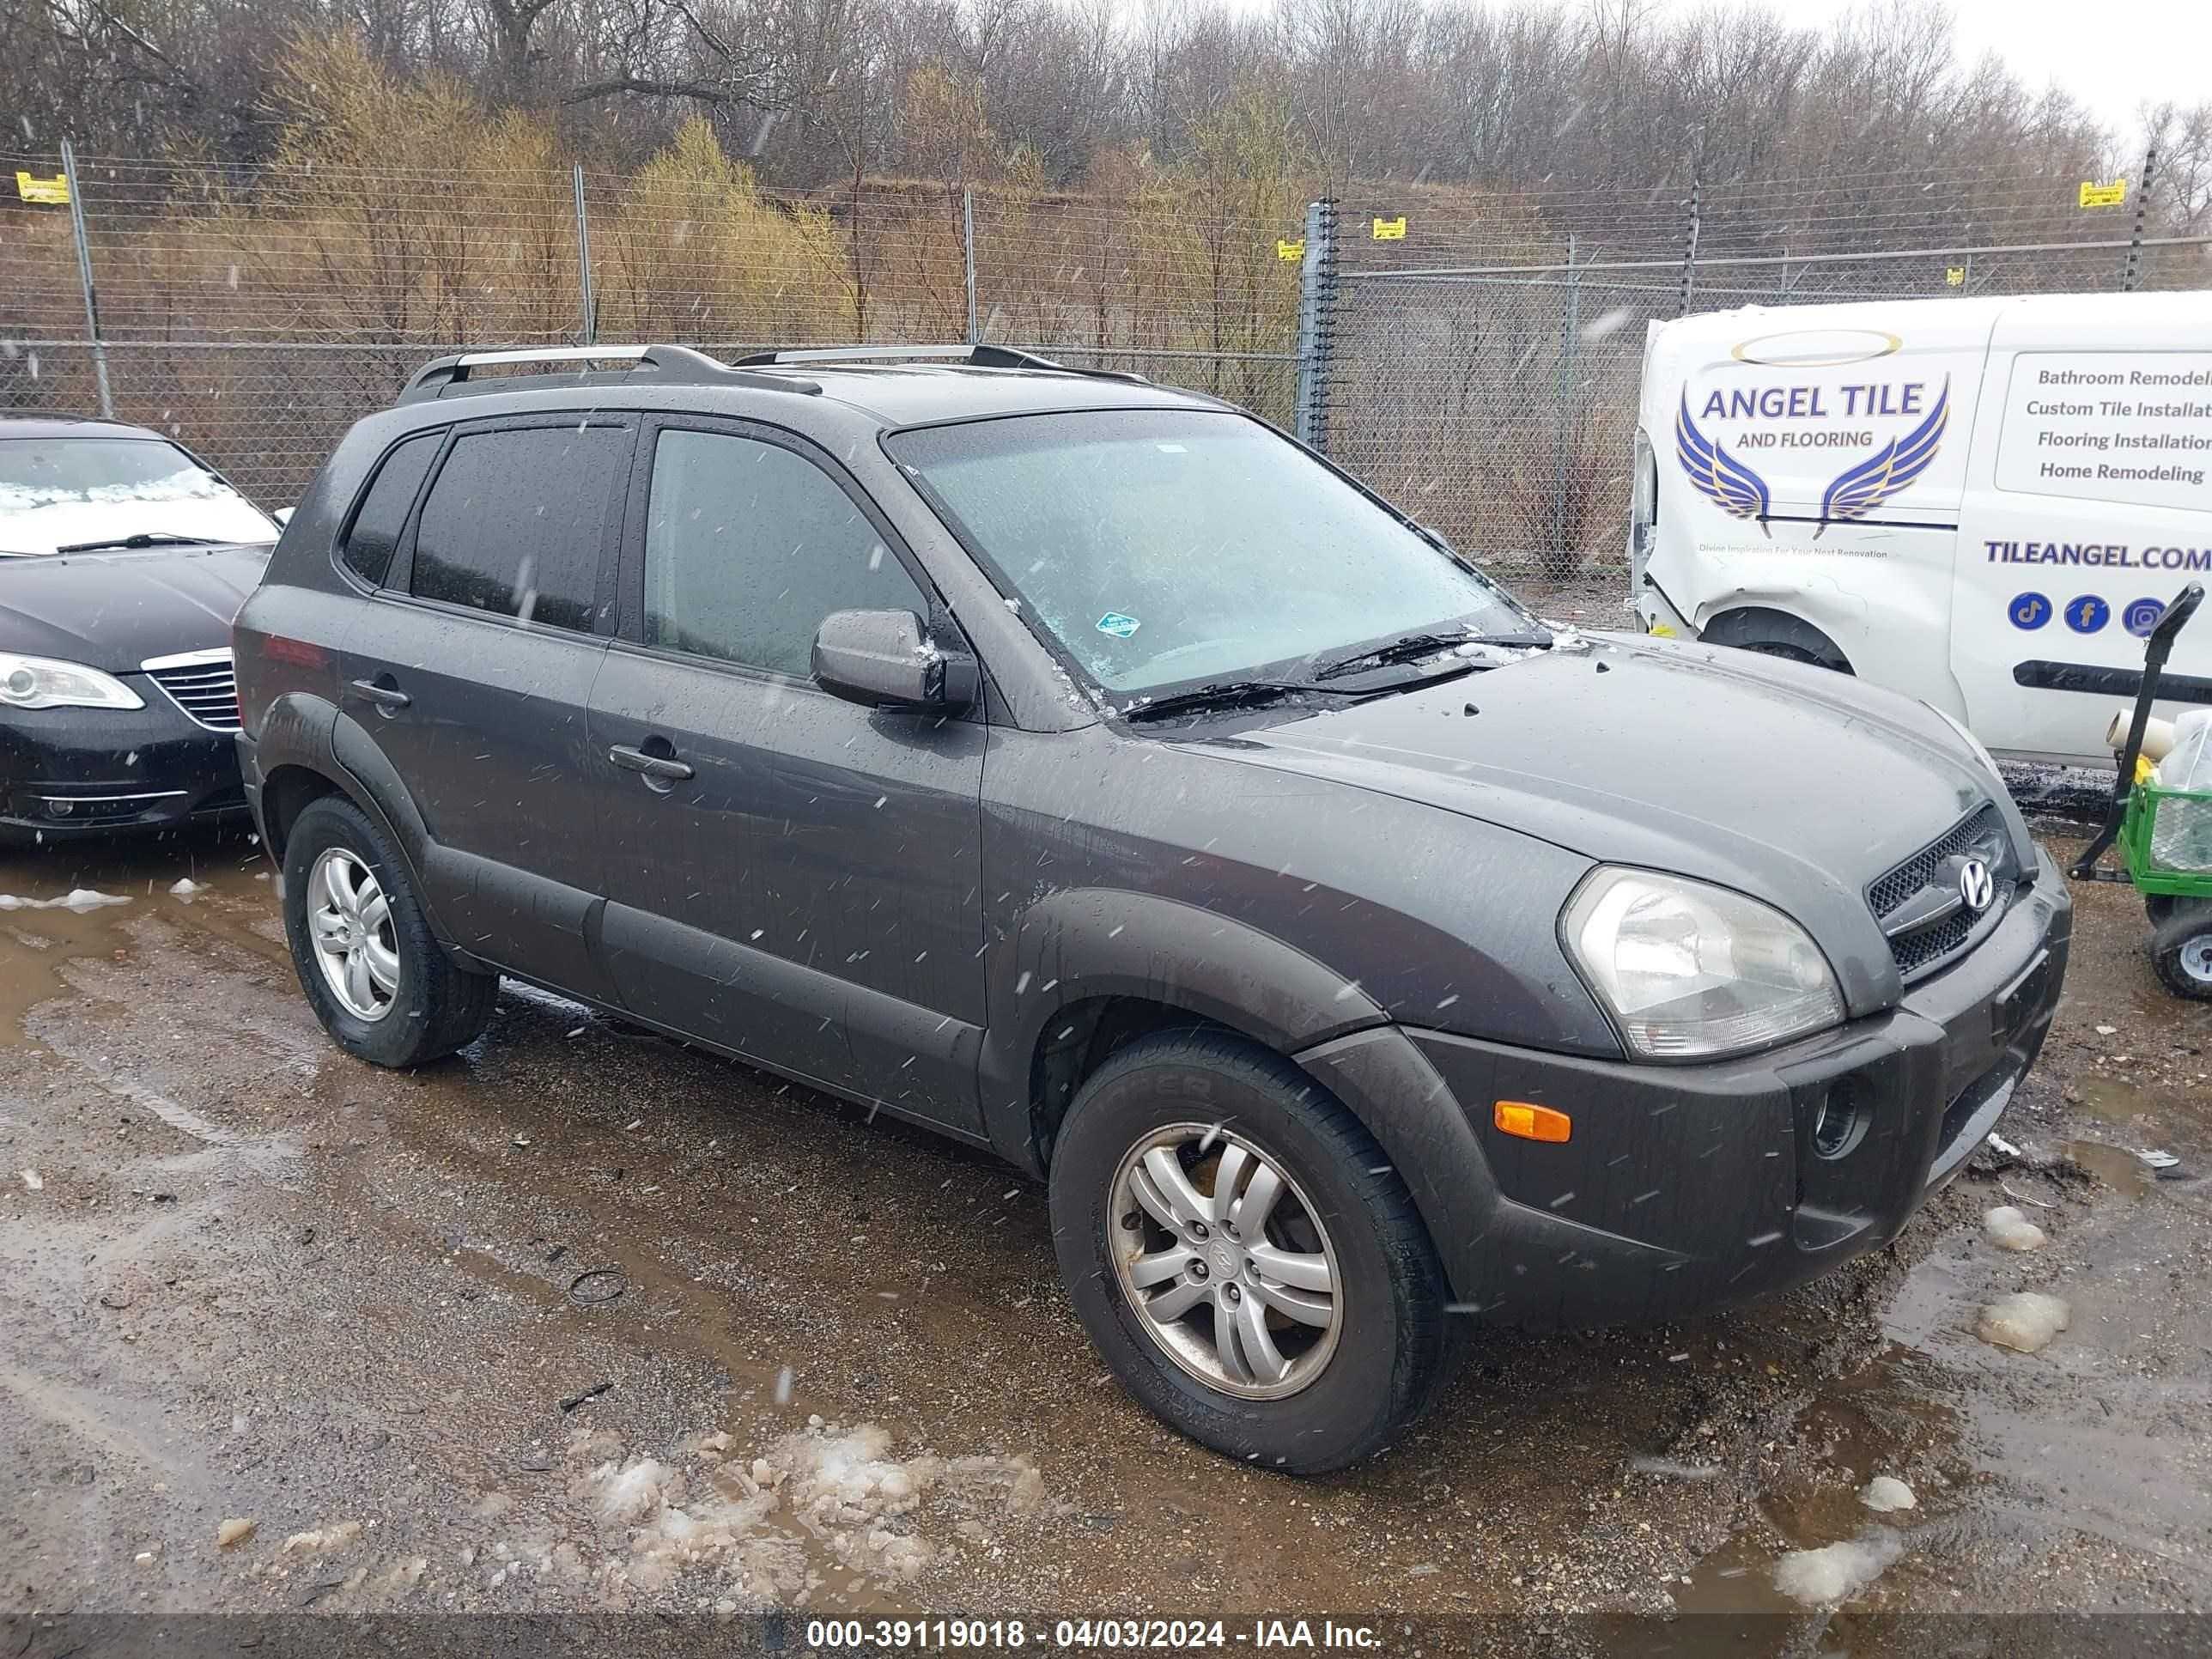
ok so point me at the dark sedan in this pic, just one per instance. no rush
(122, 559)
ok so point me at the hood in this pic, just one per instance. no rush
(113, 611)
(1794, 785)
(219, 514)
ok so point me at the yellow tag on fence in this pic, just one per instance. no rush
(1292, 250)
(1390, 230)
(2112, 195)
(54, 190)
(1954, 275)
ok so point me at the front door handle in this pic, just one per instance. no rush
(657, 766)
(384, 697)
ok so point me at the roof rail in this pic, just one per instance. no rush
(669, 364)
(975, 356)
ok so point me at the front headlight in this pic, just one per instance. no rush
(41, 682)
(1690, 972)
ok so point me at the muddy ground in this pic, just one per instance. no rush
(582, 1320)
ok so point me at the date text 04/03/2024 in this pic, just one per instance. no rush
(1096, 1634)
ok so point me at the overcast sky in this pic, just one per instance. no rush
(2113, 55)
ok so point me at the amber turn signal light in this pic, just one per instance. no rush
(1519, 1117)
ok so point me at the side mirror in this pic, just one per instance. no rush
(879, 658)
(283, 515)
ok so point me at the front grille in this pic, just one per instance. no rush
(1921, 949)
(203, 683)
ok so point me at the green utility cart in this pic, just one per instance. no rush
(2164, 836)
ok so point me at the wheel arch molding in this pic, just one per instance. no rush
(1099, 946)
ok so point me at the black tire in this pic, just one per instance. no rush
(1786, 652)
(1390, 1351)
(2181, 950)
(438, 1006)
(1775, 634)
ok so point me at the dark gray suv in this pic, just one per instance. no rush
(1085, 770)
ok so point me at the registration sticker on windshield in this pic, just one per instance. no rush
(1119, 626)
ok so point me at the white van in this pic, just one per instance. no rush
(1984, 503)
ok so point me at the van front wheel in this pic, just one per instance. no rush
(1775, 634)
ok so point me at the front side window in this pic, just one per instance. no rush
(516, 522)
(1165, 546)
(60, 493)
(748, 546)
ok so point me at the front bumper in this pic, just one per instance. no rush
(73, 772)
(1683, 1188)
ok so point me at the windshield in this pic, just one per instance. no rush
(60, 492)
(1156, 547)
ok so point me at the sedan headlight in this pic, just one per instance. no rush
(1690, 971)
(41, 682)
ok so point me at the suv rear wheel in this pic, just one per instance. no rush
(1242, 1255)
(383, 987)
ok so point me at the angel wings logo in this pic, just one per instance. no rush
(1735, 486)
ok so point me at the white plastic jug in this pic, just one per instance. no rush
(2181, 835)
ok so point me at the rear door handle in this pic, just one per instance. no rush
(384, 697)
(652, 766)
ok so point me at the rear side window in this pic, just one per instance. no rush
(516, 521)
(748, 546)
(375, 533)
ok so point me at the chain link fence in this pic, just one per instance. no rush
(1475, 357)
(1486, 374)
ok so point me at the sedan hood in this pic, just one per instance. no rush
(113, 611)
(1795, 785)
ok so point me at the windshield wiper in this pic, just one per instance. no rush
(1413, 646)
(142, 538)
(1229, 694)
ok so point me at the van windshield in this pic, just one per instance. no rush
(1158, 548)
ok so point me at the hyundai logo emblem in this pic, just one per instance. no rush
(1976, 886)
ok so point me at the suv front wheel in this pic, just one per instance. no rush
(1243, 1256)
(383, 987)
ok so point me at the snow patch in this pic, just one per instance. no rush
(2024, 1321)
(2009, 1229)
(79, 899)
(1886, 1493)
(1668, 1468)
(1814, 1577)
(767, 1527)
(634, 1491)
(322, 1540)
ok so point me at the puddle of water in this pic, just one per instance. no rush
(1878, 1419)
(35, 944)
(2116, 1166)
(2115, 1100)
(1737, 1578)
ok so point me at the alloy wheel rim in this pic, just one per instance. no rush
(1224, 1260)
(349, 924)
(2196, 959)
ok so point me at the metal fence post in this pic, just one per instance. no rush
(84, 276)
(2131, 267)
(1690, 244)
(1316, 322)
(586, 303)
(1570, 337)
(967, 256)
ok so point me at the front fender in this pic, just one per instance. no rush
(1084, 942)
